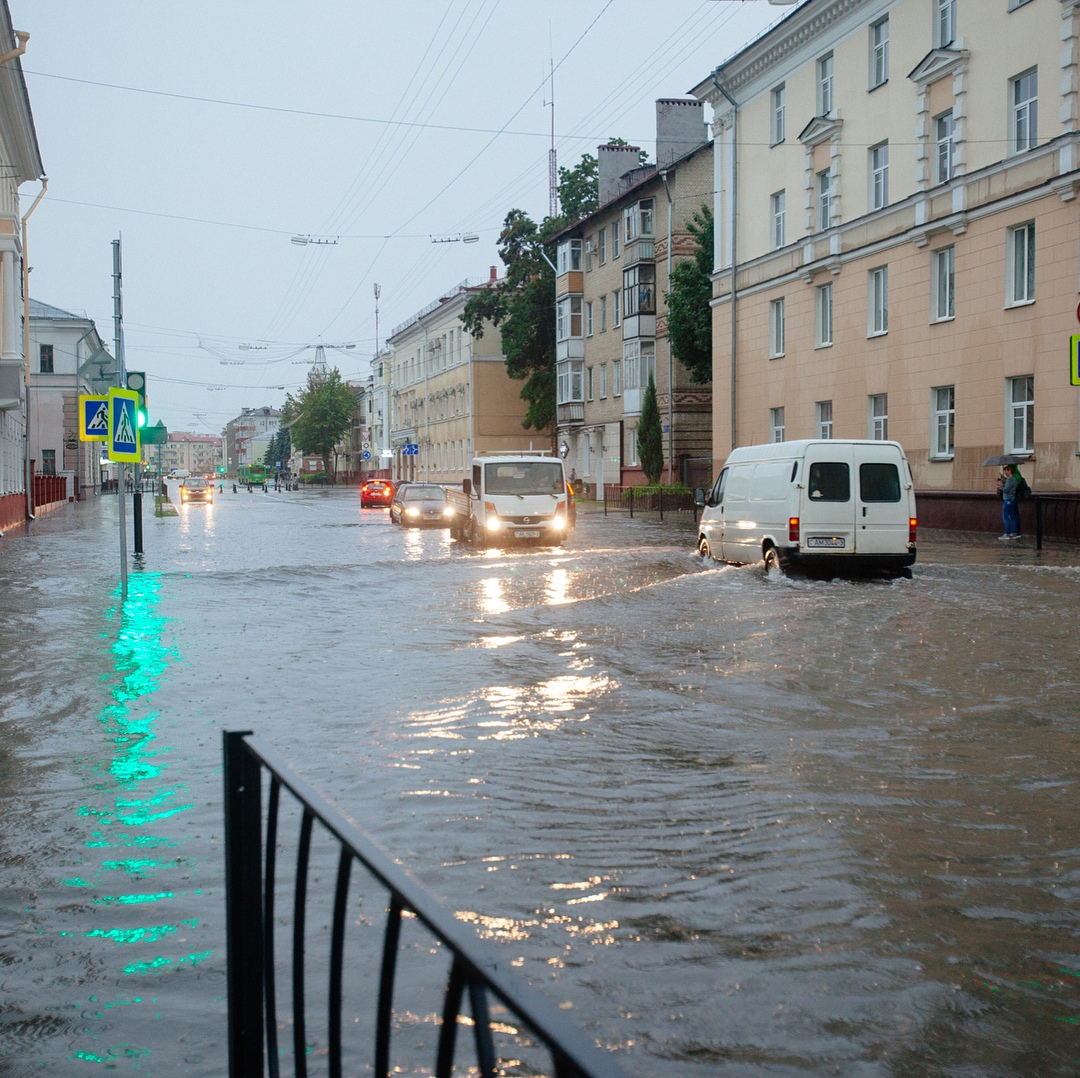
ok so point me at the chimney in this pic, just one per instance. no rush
(614, 162)
(494, 274)
(680, 129)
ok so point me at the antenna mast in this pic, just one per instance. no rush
(553, 171)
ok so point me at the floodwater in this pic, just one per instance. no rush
(730, 823)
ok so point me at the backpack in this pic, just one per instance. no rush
(1023, 491)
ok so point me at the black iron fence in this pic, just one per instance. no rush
(641, 500)
(508, 1019)
(1057, 517)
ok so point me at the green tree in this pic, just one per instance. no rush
(317, 419)
(579, 189)
(650, 438)
(689, 313)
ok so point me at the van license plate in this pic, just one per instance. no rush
(830, 541)
(526, 535)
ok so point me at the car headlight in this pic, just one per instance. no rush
(448, 511)
(411, 512)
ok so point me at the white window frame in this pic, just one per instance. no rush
(639, 361)
(569, 381)
(601, 240)
(1020, 265)
(1020, 414)
(588, 383)
(877, 419)
(777, 328)
(1024, 111)
(588, 318)
(824, 199)
(776, 424)
(823, 423)
(825, 85)
(877, 323)
(616, 378)
(778, 115)
(616, 309)
(568, 318)
(944, 23)
(603, 381)
(879, 53)
(778, 211)
(568, 256)
(631, 448)
(943, 417)
(879, 176)
(616, 240)
(823, 316)
(944, 147)
(603, 314)
(943, 284)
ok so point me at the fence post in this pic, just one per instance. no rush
(243, 906)
(661, 499)
(1038, 522)
(631, 503)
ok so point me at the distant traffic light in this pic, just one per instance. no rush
(136, 381)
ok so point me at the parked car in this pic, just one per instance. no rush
(376, 492)
(194, 489)
(836, 507)
(414, 504)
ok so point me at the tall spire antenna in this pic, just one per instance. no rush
(553, 171)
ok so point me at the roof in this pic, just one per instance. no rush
(57, 314)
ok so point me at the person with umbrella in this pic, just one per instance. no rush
(1010, 511)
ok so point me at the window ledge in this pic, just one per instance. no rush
(880, 333)
(944, 460)
(827, 344)
(777, 355)
(1019, 303)
(938, 321)
(877, 86)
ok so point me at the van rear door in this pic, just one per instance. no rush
(881, 501)
(827, 514)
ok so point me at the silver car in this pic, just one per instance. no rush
(416, 504)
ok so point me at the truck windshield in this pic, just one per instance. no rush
(525, 477)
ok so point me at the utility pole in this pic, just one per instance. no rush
(118, 341)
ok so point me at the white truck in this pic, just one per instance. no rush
(513, 498)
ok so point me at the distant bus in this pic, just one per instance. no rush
(255, 474)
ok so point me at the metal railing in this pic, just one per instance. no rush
(474, 971)
(1057, 516)
(639, 500)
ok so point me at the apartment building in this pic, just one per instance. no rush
(450, 394)
(198, 454)
(242, 432)
(896, 206)
(612, 274)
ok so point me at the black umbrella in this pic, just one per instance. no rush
(1004, 458)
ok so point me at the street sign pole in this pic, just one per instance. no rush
(121, 493)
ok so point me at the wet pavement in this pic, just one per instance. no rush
(731, 823)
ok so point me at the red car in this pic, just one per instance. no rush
(376, 492)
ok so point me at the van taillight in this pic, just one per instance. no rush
(793, 529)
(911, 529)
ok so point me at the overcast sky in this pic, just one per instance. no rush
(207, 133)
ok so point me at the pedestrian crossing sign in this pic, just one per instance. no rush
(93, 418)
(1074, 359)
(123, 426)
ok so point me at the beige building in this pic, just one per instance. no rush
(896, 187)
(198, 454)
(612, 271)
(451, 396)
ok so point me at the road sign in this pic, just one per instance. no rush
(158, 434)
(386, 453)
(93, 418)
(365, 445)
(123, 426)
(1074, 359)
(410, 449)
(365, 455)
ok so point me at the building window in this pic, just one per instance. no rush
(568, 318)
(776, 328)
(943, 147)
(879, 176)
(616, 378)
(638, 220)
(569, 256)
(779, 214)
(879, 417)
(603, 314)
(588, 383)
(569, 377)
(825, 85)
(603, 381)
(824, 199)
(776, 424)
(46, 353)
(639, 289)
(944, 403)
(1024, 96)
(823, 418)
(631, 447)
(944, 23)
(943, 282)
(615, 225)
(588, 319)
(777, 133)
(48, 462)
(879, 52)
(616, 309)
(878, 322)
(1020, 265)
(601, 240)
(590, 245)
(823, 316)
(639, 363)
(1021, 414)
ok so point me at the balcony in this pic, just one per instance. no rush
(640, 250)
(571, 414)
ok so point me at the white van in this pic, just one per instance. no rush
(831, 505)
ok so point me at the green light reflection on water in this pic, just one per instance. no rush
(150, 934)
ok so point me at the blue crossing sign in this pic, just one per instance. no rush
(123, 426)
(93, 418)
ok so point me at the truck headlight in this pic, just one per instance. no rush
(448, 511)
(492, 524)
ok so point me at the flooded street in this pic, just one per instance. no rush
(731, 823)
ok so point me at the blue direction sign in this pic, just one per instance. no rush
(93, 418)
(410, 449)
(123, 426)
(365, 454)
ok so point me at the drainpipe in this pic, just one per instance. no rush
(670, 365)
(734, 243)
(28, 481)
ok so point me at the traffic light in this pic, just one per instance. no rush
(136, 381)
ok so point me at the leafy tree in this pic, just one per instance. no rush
(689, 314)
(579, 189)
(650, 437)
(317, 419)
